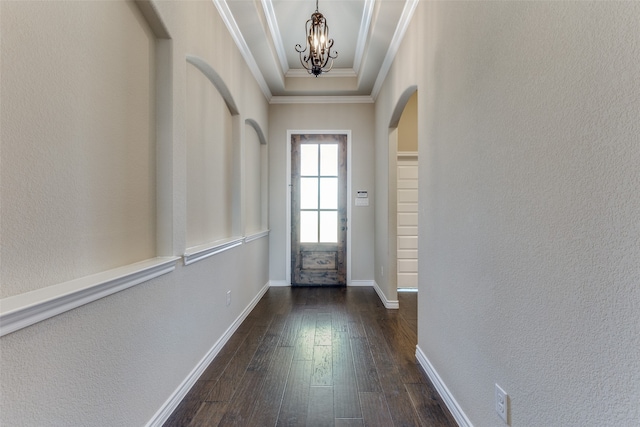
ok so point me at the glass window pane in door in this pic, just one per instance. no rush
(309, 159)
(329, 226)
(308, 226)
(329, 159)
(308, 193)
(328, 193)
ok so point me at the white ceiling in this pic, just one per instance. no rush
(366, 33)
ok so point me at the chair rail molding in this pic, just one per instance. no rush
(20, 311)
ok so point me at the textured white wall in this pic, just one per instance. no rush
(357, 118)
(117, 360)
(399, 86)
(78, 169)
(253, 166)
(210, 162)
(529, 207)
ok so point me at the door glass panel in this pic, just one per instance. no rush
(309, 159)
(329, 226)
(309, 193)
(328, 193)
(309, 226)
(329, 159)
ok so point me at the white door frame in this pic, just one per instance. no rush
(288, 191)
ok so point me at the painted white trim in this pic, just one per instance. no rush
(287, 255)
(217, 81)
(272, 21)
(256, 236)
(453, 406)
(349, 207)
(321, 100)
(401, 29)
(361, 283)
(201, 252)
(243, 47)
(288, 191)
(365, 23)
(279, 283)
(176, 397)
(392, 305)
(335, 72)
(407, 155)
(24, 310)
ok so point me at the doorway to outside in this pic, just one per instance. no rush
(318, 217)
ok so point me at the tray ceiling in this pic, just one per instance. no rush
(366, 33)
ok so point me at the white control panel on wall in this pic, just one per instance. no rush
(362, 198)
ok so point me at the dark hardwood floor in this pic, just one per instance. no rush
(317, 357)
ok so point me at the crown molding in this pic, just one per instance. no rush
(401, 29)
(272, 21)
(311, 99)
(234, 30)
(269, 11)
(367, 16)
(336, 72)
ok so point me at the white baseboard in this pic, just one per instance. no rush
(278, 283)
(455, 409)
(394, 305)
(361, 283)
(174, 400)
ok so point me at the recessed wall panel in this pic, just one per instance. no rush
(209, 161)
(78, 143)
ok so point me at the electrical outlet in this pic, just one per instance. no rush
(228, 298)
(502, 403)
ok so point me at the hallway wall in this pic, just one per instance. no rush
(529, 206)
(354, 117)
(93, 179)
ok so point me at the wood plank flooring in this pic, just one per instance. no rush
(317, 357)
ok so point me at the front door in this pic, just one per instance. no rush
(318, 209)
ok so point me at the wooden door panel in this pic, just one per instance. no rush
(316, 263)
(315, 260)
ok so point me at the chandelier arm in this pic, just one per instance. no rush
(304, 62)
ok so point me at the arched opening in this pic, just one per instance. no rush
(403, 191)
(256, 178)
(214, 182)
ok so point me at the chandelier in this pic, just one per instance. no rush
(318, 44)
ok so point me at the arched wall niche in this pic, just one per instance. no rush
(216, 80)
(214, 158)
(256, 178)
(97, 196)
(258, 129)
